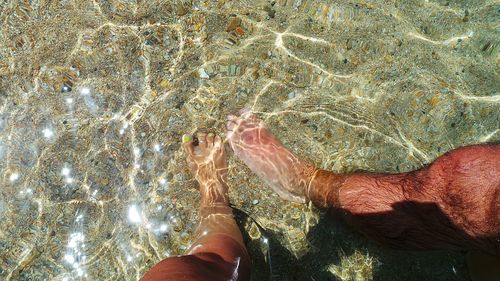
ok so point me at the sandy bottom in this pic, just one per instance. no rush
(95, 96)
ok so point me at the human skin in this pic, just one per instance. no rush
(453, 203)
(218, 252)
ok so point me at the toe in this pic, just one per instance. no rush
(232, 122)
(217, 142)
(210, 139)
(187, 143)
(244, 111)
(231, 125)
(219, 147)
(202, 140)
(247, 113)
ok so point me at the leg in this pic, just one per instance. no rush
(450, 204)
(264, 154)
(218, 252)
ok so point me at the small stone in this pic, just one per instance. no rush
(181, 10)
(255, 202)
(255, 74)
(232, 70)
(103, 181)
(210, 70)
(143, 134)
(203, 74)
(66, 89)
(239, 31)
(270, 12)
(164, 84)
(291, 95)
(233, 23)
(254, 232)
(349, 44)
(230, 41)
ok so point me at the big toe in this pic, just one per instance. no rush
(232, 122)
(202, 140)
(218, 143)
(210, 140)
(246, 113)
(187, 143)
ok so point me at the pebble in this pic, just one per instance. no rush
(255, 73)
(233, 23)
(66, 89)
(232, 70)
(291, 95)
(203, 74)
(255, 202)
(210, 70)
(223, 68)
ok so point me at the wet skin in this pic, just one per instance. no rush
(454, 203)
(451, 204)
(219, 252)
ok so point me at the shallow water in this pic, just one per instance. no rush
(95, 95)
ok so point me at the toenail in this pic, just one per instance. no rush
(211, 135)
(187, 138)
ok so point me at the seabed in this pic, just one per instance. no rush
(95, 96)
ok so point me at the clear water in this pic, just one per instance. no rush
(95, 95)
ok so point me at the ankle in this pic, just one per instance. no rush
(323, 189)
(310, 181)
(215, 208)
(306, 174)
(214, 194)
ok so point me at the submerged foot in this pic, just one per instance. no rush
(264, 154)
(207, 162)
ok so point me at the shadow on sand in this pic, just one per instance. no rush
(334, 243)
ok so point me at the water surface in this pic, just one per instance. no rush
(95, 95)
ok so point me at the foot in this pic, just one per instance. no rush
(264, 154)
(207, 161)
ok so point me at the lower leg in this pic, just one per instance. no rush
(217, 220)
(218, 252)
(208, 163)
(452, 203)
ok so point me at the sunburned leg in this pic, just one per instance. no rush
(453, 203)
(218, 252)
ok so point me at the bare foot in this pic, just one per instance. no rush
(264, 154)
(207, 162)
